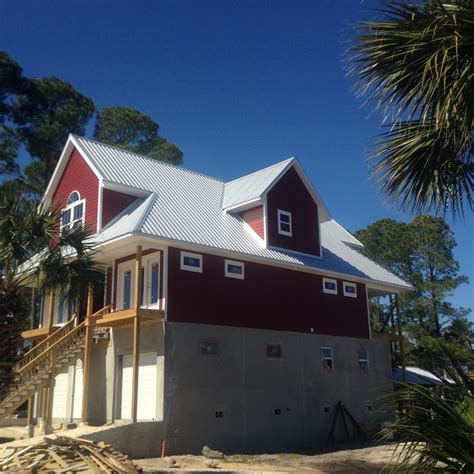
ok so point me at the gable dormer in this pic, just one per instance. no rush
(279, 206)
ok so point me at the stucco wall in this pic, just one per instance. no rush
(247, 387)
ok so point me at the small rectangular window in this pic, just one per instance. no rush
(234, 269)
(284, 223)
(219, 414)
(191, 262)
(326, 358)
(78, 211)
(363, 359)
(330, 286)
(208, 347)
(274, 351)
(277, 411)
(350, 289)
(66, 217)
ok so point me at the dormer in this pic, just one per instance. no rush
(279, 206)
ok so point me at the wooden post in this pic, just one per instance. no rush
(33, 309)
(52, 300)
(402, 348)
(87, 357)
(136, 331)
(48, 425)
(29, 423)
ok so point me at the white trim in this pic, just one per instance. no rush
(165, 283)
(70, 207)
(294, 252)
(329, 290)
(124, 189)
(368, 311)
(359, 360)
(346, 293)
(374, 284)
(265, 221)
(71, 143)
(100, 204)
(238, 276)
(190, 268)
(243, 206)
(280, 213)
(254, 234)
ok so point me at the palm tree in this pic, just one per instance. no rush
(64, 263)
(417, 64)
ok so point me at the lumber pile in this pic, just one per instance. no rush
(63, 454)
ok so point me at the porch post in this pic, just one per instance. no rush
(136, 331)
(48, 425)
(52, 300)
(29, 423)
(402, 348)
(87, 358)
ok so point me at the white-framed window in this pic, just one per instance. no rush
(326, 358)
(234, 269)
(72, 215)
(330, 286)
(284, 223)
(363, 359)
(350, 289)
(191, 262)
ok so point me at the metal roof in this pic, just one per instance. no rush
(186, 206)
(251, 187)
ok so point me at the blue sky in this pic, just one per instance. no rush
(238, 85)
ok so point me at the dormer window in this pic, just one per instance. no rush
(284, 223)
(72, 215)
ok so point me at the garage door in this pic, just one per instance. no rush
(77, 404)
(60, 394)
(146, 387)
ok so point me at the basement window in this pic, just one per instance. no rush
(192, 262)
(326, 408)
(274, 351)
(363, 359)
(284, 223)
(326, 358)
(219, 414)
(330, 286)
(208, 347)
(350, 289)
(277, 411)
(234, 269)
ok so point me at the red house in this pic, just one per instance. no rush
(233, 314)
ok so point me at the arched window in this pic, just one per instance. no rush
(72, 215)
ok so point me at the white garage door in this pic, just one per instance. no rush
(77, 404)
(60, 394)
(146, 387)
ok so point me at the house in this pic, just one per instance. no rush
(233, 314)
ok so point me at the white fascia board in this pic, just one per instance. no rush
(390, 288)
(123, 188)
(71, 143)
(244, 206)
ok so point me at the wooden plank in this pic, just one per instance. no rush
(136, 332)
(52, 298)
(87, 359)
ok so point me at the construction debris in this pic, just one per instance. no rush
(211, 454)
(63, 454)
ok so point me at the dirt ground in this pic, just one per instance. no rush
(356, 459)
(367, 459)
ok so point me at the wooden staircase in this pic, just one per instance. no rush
(35, 370)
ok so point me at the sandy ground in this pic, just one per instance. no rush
(370, 459)
(364, 459)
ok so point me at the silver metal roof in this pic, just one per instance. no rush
(186, 206)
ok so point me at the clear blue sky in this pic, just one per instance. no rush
(238, 85)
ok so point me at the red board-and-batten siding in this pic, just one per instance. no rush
(113, 203)
(78, 176)
(291, 195)
(254, 218)
(268, 298)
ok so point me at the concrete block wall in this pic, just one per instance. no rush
(267, 404)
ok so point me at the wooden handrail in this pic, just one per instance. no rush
(43, 345)
(52, 348)
(101, 312)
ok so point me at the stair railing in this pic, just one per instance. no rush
(44, 344)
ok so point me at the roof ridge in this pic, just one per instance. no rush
(148, 158)
(262, 169)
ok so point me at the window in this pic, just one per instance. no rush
(363, 359)
(274, 351)
(326, 358)
(207, 347)
(234, 269)
(191, 262)
(350, 289)
(284, 223)
(330, 286)
(72, 215)
(277, 411)
(127, 289)
(219, 414)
